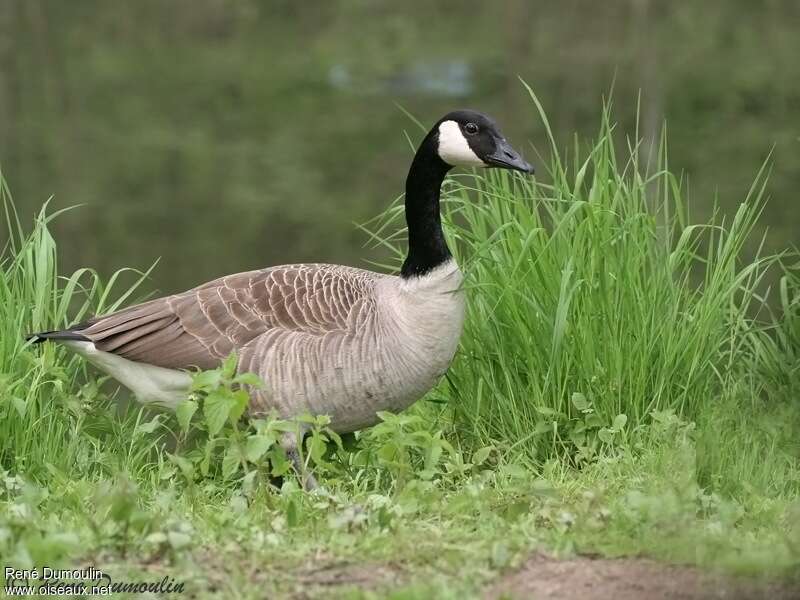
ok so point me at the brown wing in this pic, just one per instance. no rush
(200, 327)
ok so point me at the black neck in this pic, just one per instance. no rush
(427, 248)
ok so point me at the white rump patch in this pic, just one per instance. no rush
(454, 148)
(149, 383)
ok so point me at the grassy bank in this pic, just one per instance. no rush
(623, 387)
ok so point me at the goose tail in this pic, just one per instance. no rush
(73, 334)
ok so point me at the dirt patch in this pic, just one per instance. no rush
(316, 580)
(319, 576)
(546, 578)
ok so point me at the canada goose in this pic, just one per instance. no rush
(325, 339)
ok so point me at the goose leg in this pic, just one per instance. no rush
(289, 445)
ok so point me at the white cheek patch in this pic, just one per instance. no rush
(454, 149)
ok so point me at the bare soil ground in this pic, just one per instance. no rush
(319, 582)
(581, 578)
(541, 577)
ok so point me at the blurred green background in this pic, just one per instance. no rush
(227, 135)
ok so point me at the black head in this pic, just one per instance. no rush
(471, 138)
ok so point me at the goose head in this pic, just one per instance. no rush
(462, 138)
(468, 138)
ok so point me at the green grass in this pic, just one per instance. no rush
(45, 395)
(594, 292)
(624, 386)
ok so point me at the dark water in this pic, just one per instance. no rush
(223, 136)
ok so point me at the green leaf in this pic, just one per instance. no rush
(256, 446)
(205, 462)
(306, 417)
(515, 471)
(426, 474)
(606, 435)
(184, 464)
(542, 487)
(249, 379)
(384, 517)
(150, 426)
(334, 437)
(578, 437)
(277, 458)
(216, 408)
(284, 426)
(388, 452)
(239, 398)
(184, 412)
(481, 455)
(432, 459)
(20, 405)
(592, 421)
(322, 420)
(316, 448)
(248, 483)
(229, 366)
(579, 401)
(619, 421)
(207, 380)
(231, 461)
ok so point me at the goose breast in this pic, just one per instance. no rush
(399, 337)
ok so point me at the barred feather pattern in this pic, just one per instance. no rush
(326, 339)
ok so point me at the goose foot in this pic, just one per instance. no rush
(307, 480)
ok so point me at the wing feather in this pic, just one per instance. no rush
(200, 327)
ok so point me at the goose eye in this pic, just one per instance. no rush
(471, 128)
